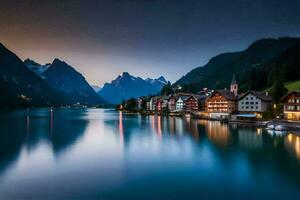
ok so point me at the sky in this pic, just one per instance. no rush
(147, 38)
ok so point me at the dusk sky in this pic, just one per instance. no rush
(147, 38)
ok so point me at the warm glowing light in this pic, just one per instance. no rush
(290, 136)
(121, 129)
(292, 143)
(259, 131)
(159, 131)
(218, 133)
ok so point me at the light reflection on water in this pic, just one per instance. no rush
(97, 153)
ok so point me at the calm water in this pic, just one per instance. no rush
(102, 154)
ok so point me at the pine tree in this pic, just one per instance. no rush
(167, 89)
(278, 90)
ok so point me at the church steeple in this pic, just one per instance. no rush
(233, 80)
(234, 86)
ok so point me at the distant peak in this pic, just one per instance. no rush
(161, 78)
(125, 74)
(56, 60)
(28, 61)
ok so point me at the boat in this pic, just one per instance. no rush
(271, 126)
(280, 128)
(276, 133)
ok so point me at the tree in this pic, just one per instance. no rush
(144, 104)
(278, 90)
(255, 79)
(123, 103)
(131, 104)
(167, 89)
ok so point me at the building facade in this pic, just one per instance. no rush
(291, 105)
(191, 104)
(172, 103)
(221, 101)
(180, 104)
(254, 102)
(152, 103)
(162, 103)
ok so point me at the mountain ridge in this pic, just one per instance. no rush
(19, 86)
(65, 78)
(255, 56)
(126, 86)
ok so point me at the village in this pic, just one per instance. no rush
(253, 106)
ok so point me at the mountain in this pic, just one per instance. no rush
(286, 66)
(20, 86)
(65, 78)
(126, 86)
(36, 67)
(246, 65)
(96, 88)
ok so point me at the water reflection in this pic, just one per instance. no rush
(292, 144)
(27, 128)
(102, 153)
(218, 133)
(249, 140)
(121, 129)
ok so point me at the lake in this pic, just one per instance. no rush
(104, 154)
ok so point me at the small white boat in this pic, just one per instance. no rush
(277, 133)
(271, 127)
(280, 128)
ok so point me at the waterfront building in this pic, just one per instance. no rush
(172, 103)
(152, 103)
(191, 103)
(222, 103)
(291, 105)
(180, 102)
(162, 103)
(254, 102)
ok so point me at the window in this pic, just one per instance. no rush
(246, 98)
(256, 102)
(247, 107)
(251, 103)
(247, 102)
(251, 98)
(291, 100)
(251, 107)
(242, 107)
(256, 107)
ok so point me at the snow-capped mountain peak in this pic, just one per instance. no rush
(126, 86)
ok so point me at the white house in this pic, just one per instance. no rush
(152, 103)
(254, 102)
(180, 103)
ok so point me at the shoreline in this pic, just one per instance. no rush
(290, 125)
